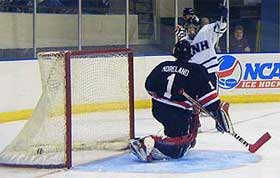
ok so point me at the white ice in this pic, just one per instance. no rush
(210, 158)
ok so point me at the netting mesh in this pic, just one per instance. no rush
(103, 86)
(100, 115)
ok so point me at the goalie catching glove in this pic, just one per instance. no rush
(222, 117)
(223, 12)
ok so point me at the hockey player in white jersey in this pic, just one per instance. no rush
(203, 41)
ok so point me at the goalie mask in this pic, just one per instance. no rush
(192, 27)
(182, 50)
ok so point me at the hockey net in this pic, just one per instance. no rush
(86, 104)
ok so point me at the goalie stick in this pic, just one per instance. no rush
(251, 147)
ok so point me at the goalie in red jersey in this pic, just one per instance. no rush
(174, 111)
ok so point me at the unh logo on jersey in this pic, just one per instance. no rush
(230, 72)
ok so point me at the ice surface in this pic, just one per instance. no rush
(215, 156)
(195, 161)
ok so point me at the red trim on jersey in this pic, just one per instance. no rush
(175, 140)
(183, 103)
(208, 99)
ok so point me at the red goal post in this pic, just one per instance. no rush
(87, 103)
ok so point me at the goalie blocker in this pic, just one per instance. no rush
(174, 111)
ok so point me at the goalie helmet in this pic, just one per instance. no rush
(182, 50)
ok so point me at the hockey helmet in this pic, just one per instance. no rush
(182, 50)
(188, 11)
(192, 26)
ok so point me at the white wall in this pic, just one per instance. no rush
(21, 86)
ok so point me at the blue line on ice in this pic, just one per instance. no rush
(195, 161)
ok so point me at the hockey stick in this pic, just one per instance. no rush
(219, 30)
(251, 147)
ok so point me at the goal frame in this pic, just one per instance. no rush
(130, 64)
(68, 104)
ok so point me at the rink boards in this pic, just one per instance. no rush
(243, 78)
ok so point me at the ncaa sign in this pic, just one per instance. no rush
(234, 74)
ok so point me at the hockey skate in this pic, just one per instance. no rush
(138, 148)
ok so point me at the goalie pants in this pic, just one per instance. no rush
(180, 128)
(176, 121)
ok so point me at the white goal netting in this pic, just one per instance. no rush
(99, 104)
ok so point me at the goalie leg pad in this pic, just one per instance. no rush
(224, 122)
(142, 148)
(175, 147)
(157, 148)
(157, 155)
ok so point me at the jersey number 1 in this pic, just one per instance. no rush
(170, 79)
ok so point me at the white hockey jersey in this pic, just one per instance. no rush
(203, 46)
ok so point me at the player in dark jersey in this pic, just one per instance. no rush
(173, 110)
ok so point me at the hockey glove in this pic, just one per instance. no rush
(222, 12)
(180, 32)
